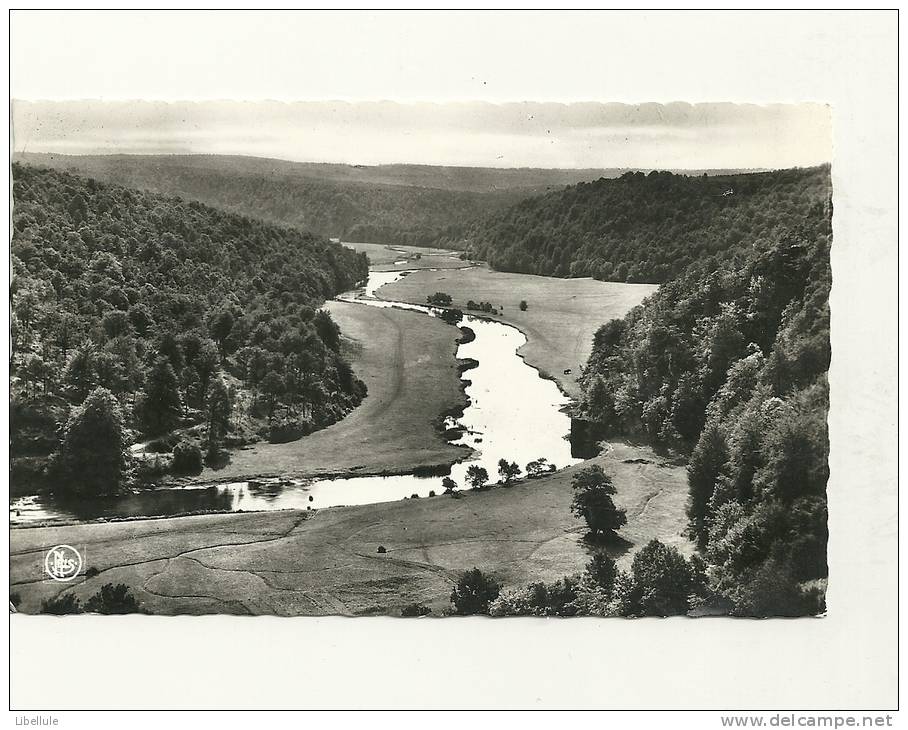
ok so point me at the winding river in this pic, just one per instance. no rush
(513, 413)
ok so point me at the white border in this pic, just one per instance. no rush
(846, 660)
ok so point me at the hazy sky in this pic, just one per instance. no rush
(676, 135)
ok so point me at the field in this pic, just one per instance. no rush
(297, 563)
(400, 258)
(407, 362)
(561, 318)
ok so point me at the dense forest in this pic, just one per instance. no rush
(317, 198)
(731, 364)
(134, 313)
(726, 365)
(645, 228)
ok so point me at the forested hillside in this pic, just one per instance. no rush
(732, 362)
(161, 314)
(645, 227)
(330, 200)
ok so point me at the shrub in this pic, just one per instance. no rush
(661, 582)
(163, 444)
(289, 430)
(381, 549)
(538, 467)
(187, 458)
(92, 572)
(473, 593)
(477, 476)
(523, 305)
(415, 610)
(603, 570)
(538, 599)
(62, 605)
(451, 316)
(113, 599)
(439, 299)
(149, 470)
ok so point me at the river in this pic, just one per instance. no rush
(513, 413)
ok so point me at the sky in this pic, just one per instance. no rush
(465, 133)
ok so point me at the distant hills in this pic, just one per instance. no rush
(401, 204)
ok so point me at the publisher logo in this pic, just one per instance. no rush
(62, 563)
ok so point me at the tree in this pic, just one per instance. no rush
(477, 476)
(141, 319)
(220, 327)
(473, 593)
(35, 371)
(603, 570)
(662, 582)
(523, 305)
(327, 330)
(66, 333)
(130, 368)
(593, 492)
(206, 364)
(92, 457)
(600, 404)
(508, 471)
(273, 388)
(160, 409)
(116, 323)
(538, 467)
(439, 299)
(80, 373)
(187, 458)
(703, 470)
(110, 372)
(451, 316)
(169, 346)
(448, 484)
(218, 403)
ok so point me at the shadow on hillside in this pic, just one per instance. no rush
(612, 545)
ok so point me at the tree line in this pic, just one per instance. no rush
(134, 313)
(730, 366)
(644, 228)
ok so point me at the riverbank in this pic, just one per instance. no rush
(407, 361)
(299, 563)
(561, 318)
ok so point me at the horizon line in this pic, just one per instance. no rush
(410, 164)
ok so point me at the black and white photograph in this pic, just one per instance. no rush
(421, 358)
